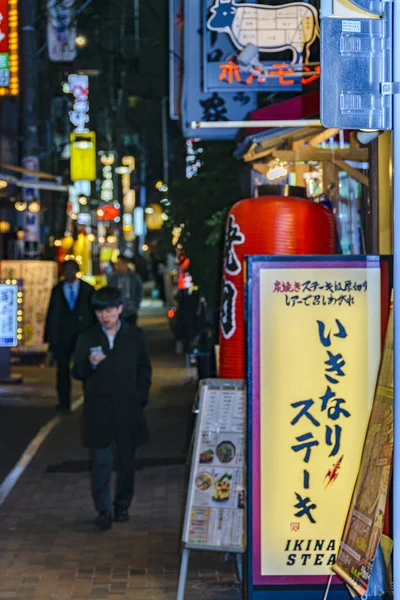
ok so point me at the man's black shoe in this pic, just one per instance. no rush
(121, 515)
(63, 408)
(103, 521)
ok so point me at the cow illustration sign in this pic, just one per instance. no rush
(285, 34)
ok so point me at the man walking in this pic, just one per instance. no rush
(69, 313)
(112, 360)
(130, 286)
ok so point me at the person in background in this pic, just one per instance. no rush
(69, 313)
(130, 287)
(113, 362)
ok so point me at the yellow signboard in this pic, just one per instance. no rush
(315, 356)
(83, 156)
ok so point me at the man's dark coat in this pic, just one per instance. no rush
(116, 391)
(63, 325)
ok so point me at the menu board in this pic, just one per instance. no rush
(38, 279)
(215, 509)
(8, 315)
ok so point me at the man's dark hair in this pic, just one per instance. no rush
(123, 258)
(70, 263)
(106, 297)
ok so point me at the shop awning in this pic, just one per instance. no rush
(255, 144)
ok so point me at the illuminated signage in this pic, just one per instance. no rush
(83, 156)
(285, 36)
(193, 162)
(128, 198)
(107, 177)
(9, 79)
(283, 72)
(107, 213)
(314, 351)
(79, 88)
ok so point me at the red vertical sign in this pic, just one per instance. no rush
(3, 26)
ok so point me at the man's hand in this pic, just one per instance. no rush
(96, 358)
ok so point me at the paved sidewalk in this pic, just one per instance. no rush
(48, 548)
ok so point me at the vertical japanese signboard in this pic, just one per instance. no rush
(9, 80)
(216, 499)
(8, 315)
(314, 350)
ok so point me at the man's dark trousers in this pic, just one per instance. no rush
(63, 355)
(102, 466)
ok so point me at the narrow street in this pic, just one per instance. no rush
(49, 549)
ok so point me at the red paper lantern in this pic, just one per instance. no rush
(266, 225)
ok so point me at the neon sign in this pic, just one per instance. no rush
(231, 73)
(9, 80)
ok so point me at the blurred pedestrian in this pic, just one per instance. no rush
(130, 286)
(69, 313)
(113, 362)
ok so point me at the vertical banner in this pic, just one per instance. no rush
(364, 524)
(8, 315)
(175, 57)
(31, 215)
(314, 350)
(61, 30)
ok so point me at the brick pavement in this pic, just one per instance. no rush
(48, 548)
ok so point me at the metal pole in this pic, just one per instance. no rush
(396, 285)
(262, 124)
(373, 213)
(183, 574)
(164, 127)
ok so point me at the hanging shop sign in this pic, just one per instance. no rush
(199, 105)
(31, 215)
(176, 25)
(9, 77)
(79, 115)
(83, 156)
(107, 187)
(61, 30)
(193, 158)
(314, 350)
(286, 36)
(128, 198)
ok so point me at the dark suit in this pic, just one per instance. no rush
(63, 326)
(116, 391)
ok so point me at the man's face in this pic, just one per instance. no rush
(70, 273)
(109, 317)
(121, 266)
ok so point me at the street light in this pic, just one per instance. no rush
(81, 41)
(20, 206)
(34, 207)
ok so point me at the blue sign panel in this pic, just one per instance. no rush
(199, 105)
(286, 36)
